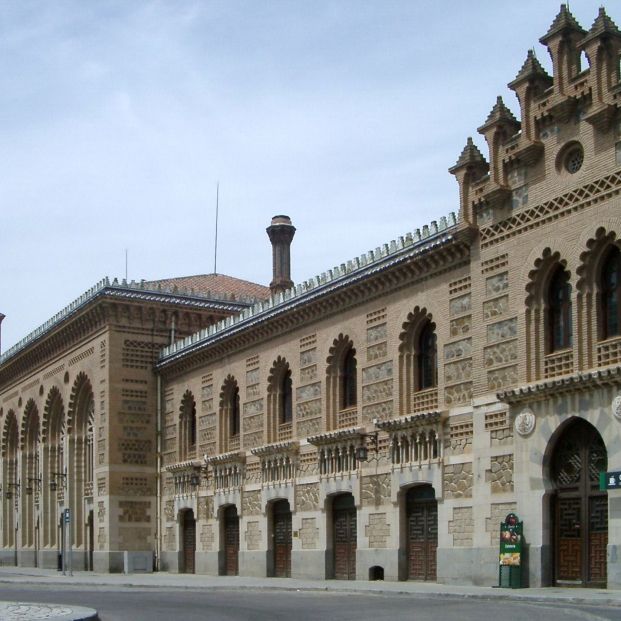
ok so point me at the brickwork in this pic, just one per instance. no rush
(462, 526)
(377, 530)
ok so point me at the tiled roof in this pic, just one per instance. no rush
(563, 22)
(212, 284)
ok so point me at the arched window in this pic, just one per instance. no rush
(348, 380)
(286, 400)
(187, 427)
(559, 311)
(610, 294)
(230, 415)
(427, 357)
(234, 414)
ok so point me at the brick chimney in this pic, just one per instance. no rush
(281, 232)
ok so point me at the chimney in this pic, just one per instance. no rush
(1, 318)
(281, 232)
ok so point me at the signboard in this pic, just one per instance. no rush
(609, 480)
(511, 541)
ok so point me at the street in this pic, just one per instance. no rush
(189, 604)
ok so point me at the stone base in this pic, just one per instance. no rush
(308, 564)
(370, 561)
(170, 561)
(110, 561)
(206, 563)
(8, 558)
(138, 562)
(253, 563)
(476, 566)
(48, 559)
(27, 558)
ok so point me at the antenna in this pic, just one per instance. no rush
(215, 250)
(126, 264)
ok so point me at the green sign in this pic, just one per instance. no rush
(511, 541)
(609, 480)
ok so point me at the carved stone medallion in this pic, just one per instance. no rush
(616, 407)
(525, 422)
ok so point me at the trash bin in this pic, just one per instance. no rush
(59, 562)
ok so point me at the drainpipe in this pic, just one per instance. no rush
(158, 476)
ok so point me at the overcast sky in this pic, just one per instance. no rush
(118, 118)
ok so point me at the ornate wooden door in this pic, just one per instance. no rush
(231, 541)
(345, 536)
(580, 509)
(189, 542)
(282, 539)
(422, 524)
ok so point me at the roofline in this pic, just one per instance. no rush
(124, 290)
(367, 264)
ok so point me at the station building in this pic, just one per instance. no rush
(376, 421)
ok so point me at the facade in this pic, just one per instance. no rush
(381, 419)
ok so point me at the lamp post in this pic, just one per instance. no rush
(362, 452)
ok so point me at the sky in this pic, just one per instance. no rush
(118, 119)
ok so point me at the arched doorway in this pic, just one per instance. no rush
(281, 525)
(421, 509)
(188, 538)
(345, 537)
(579, 508)
(231, 541)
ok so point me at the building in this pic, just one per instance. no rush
(380, 419)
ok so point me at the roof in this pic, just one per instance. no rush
(531, 69)
(212, 284)
(563, 22)
(602, 26)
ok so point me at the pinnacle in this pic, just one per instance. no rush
(602, 25)
(499, 113)
(530, 69)
(563, 22)
(469, 156)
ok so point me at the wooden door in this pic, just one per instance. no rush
(189, 542)
(422, 535)
(580, 510)
(231, 542)
(282, 539)
(345, 537)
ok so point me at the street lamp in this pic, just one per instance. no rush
(30, 488)
(9, 494)
(53, 482)
(362, 452)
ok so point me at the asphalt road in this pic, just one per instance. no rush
(138, 604)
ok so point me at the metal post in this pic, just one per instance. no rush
(63, 543)
(70, 552)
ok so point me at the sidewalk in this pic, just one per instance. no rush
(21, 575)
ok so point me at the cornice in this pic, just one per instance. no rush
(412, 264)
(411, 421)
(538, 391)
(333, 437)
(130, 292)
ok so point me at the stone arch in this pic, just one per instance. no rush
(9, 433)
(543, 270)
(230, 414)
(188, 428)
(578, 509)
(31, 413)
(409, 353)
(341, 347)
(277, 418)
(81, 392)
(590, 312)
(54, 400)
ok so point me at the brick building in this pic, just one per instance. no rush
(380, 419)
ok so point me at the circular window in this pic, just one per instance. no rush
(574, 159)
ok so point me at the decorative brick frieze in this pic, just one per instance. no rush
(307, 497)
(502, 330)
(460, 305)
